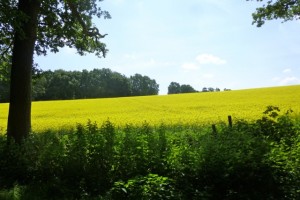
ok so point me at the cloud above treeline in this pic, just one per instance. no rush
(203, 59)
(210, 59)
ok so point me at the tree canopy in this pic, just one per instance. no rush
(185, 88)
(60, 23)
(97, 83)
(143, 85)
(279, 9)
(176, 88)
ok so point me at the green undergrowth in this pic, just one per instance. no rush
(250, 160)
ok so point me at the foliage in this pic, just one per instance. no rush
(284, 9)
(13, 194)
(275, 126)
(176, 88)
(97, 83)
(286, 166)
(143, 85)
(187, 89)
(4, 81)
(58, 26)
(229, 165)
(156, 162)
(151, 186)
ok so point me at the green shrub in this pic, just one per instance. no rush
(230, 165)
(251, 160)
(147, 187)
(276, 127)
(140, 150)
(285, 162)
(12, 194)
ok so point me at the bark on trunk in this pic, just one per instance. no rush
(19, 117)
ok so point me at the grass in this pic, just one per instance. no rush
(196, 108)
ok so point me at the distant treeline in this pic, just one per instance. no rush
(97, 83)
(176, 88)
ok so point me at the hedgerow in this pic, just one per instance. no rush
(250, 160)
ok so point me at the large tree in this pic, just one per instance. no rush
(39, 26)
(279, 9)
(143, 85)
(174, 88)
(187, 89)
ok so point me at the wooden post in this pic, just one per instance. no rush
(230, 121)
(214, 129)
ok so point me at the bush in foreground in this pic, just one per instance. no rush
(251, 160)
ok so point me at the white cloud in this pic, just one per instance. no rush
(190, 66)
(286, 70)
(289, 80)
(210, 59)
(201, 60)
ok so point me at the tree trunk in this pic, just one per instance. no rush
(19, 117)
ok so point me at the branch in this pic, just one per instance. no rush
(92, 32)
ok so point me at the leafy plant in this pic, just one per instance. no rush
(275, 126)
(12, 194)
(147, 187)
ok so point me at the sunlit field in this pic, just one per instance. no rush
(197, 108)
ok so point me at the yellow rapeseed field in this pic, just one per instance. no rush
(169, 109)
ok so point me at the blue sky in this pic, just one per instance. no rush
(204, 43)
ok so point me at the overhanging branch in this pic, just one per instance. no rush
(92, 32)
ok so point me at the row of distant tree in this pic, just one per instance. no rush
(176, 88)
(97, 83)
